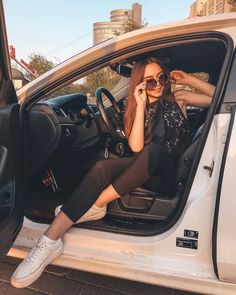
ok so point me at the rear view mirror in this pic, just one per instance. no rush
(122, 69)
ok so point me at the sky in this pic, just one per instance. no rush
(58, 29)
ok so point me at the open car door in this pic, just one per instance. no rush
(224, 238)
(12, 176)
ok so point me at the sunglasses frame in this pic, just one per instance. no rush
(157, 81)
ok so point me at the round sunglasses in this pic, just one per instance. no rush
(161, 80)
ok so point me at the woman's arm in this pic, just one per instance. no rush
(136, 137)
(183, 78)
(187, 98)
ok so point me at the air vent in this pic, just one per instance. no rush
(93, 108)
(59, 112)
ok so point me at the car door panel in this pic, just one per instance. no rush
(11, 135)
(12, 164)
(10, 224)
(226, 221)
(223, 235)
(12, 180)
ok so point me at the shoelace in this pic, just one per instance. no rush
(35, 252)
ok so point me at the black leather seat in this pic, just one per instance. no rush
(149, 205)
(45, 134)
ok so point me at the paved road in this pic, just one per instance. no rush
(60, 281)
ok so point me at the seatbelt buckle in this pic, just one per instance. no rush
(107, 144)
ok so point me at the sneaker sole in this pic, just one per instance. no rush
(24, 282)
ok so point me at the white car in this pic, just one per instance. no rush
(48, 142)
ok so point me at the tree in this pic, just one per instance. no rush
(69, 89)
(39, 64)
(103, 78)
(131, 25)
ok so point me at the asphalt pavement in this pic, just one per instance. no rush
(59, 281)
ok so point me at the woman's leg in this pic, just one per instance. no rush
(145, 164)
(62, 222)
(125, 174)
(110, 179)
(59, 226)
(107, 195)
(96, 181)
(107, 180)
(49, 246)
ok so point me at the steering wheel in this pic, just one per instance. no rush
(111, 117)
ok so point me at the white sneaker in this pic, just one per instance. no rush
(94, 213)
(33, 265)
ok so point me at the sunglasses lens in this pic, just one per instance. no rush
(151, 84)
(163, 79)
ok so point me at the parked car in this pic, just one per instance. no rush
(48, 142)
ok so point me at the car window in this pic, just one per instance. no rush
(104, 77)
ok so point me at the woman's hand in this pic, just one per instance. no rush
(180, 77)
(183, 78)
(140, 94)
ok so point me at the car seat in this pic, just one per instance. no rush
(145, 204)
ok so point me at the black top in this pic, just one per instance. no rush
(166, 124)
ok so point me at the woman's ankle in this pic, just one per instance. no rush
(48, 239)
(98, 205)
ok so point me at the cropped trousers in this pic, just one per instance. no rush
(124, 174)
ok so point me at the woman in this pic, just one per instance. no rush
(156, 127)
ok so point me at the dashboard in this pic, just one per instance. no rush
(77, 119)
(73, 106)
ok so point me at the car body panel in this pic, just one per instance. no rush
(226, 241)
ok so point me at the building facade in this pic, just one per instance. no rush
(208, 7)
(21, 74)
(105, 30)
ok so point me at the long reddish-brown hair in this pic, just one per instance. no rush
(136, 78)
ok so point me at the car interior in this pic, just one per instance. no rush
(68, 134)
